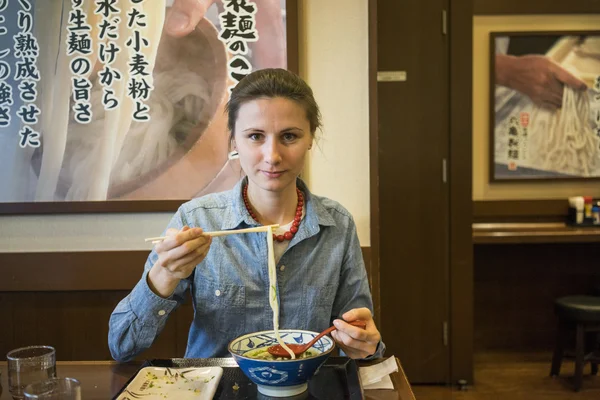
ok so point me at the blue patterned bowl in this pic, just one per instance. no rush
(280, 378)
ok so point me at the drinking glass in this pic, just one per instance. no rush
(54, 389)
(29, 365)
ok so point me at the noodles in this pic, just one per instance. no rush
(114, 118)
(53, 17)
(273, 301)
(563, 139)
(155, 11)
(263, 354)
(590, 47)
(55, 130)
(82, 161)
(552, 141)
(179, 104)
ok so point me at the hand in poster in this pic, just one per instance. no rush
(537, 77)
(184, 15)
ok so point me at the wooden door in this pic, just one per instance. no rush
(413, 143)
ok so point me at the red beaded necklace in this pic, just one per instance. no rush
(289, 234)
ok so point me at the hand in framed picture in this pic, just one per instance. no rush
(545, 105)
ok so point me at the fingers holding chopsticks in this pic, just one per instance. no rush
(182, 250)
(187, 239)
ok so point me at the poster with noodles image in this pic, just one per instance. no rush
(544, 105)
(100, 101)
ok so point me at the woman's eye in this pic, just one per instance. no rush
(288, 137)
(254, 136)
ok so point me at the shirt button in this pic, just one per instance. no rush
(282, 268)
(162, 312)
(217, 292)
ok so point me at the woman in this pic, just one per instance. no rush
(272, 117)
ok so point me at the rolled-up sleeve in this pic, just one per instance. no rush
(354, 289)
(140, 317)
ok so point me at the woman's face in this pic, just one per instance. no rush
(272, 137)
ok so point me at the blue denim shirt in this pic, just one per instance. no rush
(320, 276)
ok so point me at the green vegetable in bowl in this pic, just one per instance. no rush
(263, 354)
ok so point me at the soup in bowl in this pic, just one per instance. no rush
(275, 376)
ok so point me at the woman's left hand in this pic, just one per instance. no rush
(354, 341)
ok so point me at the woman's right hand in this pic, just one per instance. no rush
(178, 255)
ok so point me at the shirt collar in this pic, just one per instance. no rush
(238, 216)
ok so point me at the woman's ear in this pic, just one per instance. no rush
(233, 154)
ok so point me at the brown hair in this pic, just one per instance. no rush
(270, 83)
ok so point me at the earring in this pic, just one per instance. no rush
(233, 155)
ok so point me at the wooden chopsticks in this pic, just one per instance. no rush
(264, 228)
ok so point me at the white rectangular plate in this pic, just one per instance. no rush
(154, 383)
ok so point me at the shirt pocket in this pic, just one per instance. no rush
(221, 307)
(317, 303)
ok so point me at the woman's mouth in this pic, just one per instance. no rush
(272, 174)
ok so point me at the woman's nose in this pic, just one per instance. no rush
(272, 152)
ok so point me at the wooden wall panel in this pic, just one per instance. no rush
(65, 300)
(64, 271)
(516, 285)
(75, 323)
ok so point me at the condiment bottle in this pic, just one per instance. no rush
(588, 206)
(579, 205)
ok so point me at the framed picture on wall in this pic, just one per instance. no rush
(103, 107)
(544, 105)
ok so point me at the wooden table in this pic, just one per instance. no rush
(532, 232)
(103, 379)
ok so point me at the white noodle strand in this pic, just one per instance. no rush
(273, 298)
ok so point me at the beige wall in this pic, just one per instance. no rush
(334, 61)
(482, 189)
(333, 56)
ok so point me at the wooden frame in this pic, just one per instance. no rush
(512, 7)
(374, 162)
(461, 246)
(125, 206)
(531, 173)
(520, 7)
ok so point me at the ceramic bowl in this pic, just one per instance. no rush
(280, 378)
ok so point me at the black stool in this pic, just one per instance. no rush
(582, 314)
